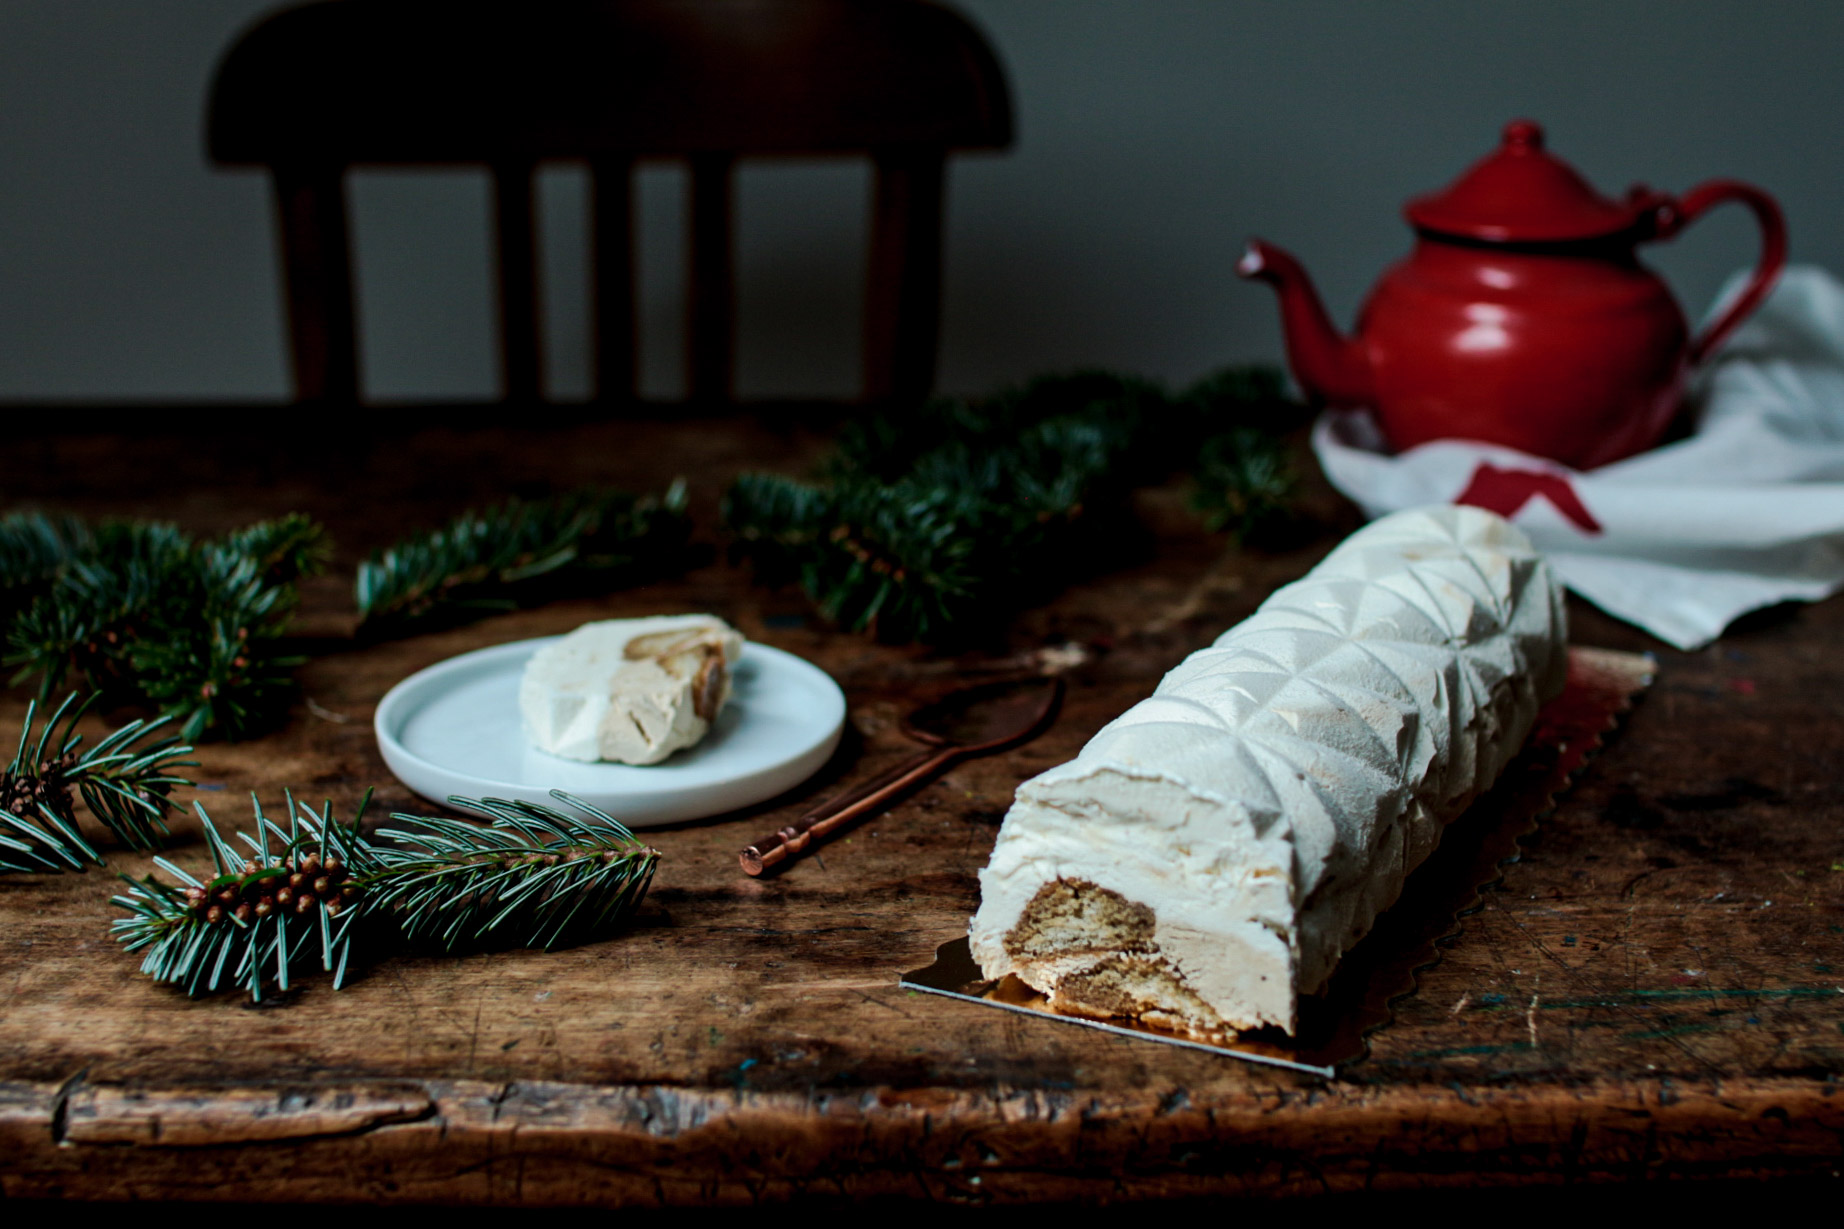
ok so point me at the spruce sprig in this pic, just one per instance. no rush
(934, 524)
(520, 552)
(1245, 483)
(321, 892)
(1244, 488)
(123, 779)
(265, 913)
(144, 614)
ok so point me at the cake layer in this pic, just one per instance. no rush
(1210, 854)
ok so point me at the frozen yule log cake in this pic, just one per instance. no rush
(629, 690)
(1211, 853)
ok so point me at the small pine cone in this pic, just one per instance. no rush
(243, 912)
(322, 886)
(228, 896)
(303, 904)
(214, 915)
(309, 863)
(335, 867)
(285, 895)
(296, 880)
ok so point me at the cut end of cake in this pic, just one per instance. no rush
(1092, 952)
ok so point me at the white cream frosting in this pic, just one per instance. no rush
(1268, 800)
(629, 690)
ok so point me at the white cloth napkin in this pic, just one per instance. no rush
(1746, 512)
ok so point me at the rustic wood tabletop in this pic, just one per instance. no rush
(1654, 990)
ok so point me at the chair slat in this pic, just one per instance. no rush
(902, 313)
(317, 268)
(611, 188)
(521, 353)
(710, 334)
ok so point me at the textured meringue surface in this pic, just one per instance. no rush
(1210, 854)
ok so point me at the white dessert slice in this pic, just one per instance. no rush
(1209, 855)
(629, 690)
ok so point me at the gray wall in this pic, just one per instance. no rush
(1154, 135)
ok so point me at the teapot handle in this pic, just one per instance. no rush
(1675, 215)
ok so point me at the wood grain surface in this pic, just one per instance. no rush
(1655, 990)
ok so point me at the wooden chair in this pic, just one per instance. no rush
(315, 90)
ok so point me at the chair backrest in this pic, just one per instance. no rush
(314, 90)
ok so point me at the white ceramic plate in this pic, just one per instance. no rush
(453, 730)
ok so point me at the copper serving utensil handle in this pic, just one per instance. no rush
(835, 813)
(1007, 726)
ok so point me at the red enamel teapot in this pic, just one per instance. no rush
(1522, 317)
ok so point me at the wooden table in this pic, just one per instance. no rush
(1656, 989)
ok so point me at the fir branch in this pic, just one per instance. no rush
(33, 549)
(520, 552)
(867, 555)
(1245, 484)
(321, 893)
(143, 614)
(220, 665)
(933, 524)
(283, 550)
(116, 585)
(890, 445)
(124, 780)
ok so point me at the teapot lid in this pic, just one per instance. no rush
(1519, 193)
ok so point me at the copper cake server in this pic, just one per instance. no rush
(973, 721)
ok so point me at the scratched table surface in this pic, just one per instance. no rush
(1655, 989)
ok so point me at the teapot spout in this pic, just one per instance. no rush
(1330, 368)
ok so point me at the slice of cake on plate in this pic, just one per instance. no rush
(629, 690)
